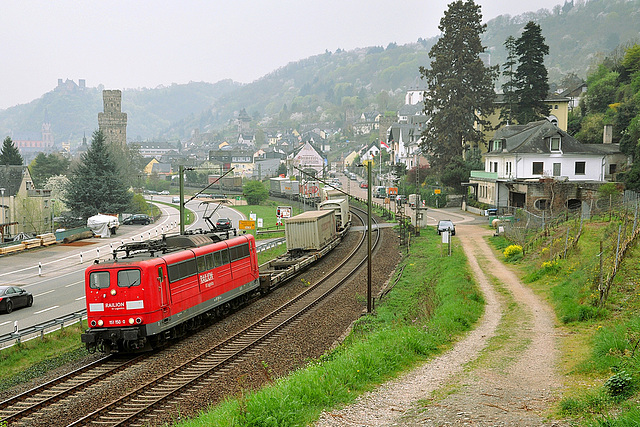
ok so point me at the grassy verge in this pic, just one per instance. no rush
(601, 346)
(32, 358)
(433, 302)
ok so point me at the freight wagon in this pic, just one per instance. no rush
(311, 230)
(341, 209)
(228, 183)
(277, 186)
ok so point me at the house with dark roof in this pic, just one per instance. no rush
(538, 164)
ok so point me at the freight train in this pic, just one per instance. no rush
(161, 289)
(308, 191)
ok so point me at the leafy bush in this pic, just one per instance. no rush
(619, 384)
(512, 251)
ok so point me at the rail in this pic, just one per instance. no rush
(53, 324)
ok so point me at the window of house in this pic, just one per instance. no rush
(557, 169)
(555, 143)
(538, 168)
(613, 168)
(555, 107)
(541, 204)
(580, 168)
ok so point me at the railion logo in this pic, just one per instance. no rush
(207, 279)
(115, 305)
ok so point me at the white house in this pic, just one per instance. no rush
(307, 158)
(522, 156)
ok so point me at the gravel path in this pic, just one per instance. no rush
(503, 373)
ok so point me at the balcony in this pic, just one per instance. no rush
(484, 175)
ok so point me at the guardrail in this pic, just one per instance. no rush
(42, 328)
(48, 326)
(269, 245)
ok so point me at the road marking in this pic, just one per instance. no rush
(46, 309)
(82, 297)
(73, 284)
(2, 324)
(44, 293)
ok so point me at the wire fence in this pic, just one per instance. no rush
(557, 235)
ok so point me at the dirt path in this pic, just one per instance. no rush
(503, 373)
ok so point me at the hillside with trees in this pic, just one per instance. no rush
(330, 87)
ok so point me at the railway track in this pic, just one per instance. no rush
(140, 406)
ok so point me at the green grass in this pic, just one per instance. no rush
(434, 302)
(272, 253)
(599, 340)
(27, 360)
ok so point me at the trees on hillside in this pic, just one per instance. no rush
(613, 97)
(45, 166)
(95, 185)
(9, 155)
(460, 88)
(531, 81)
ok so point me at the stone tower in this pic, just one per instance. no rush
(113, 122)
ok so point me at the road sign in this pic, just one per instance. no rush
(246, 225)
(437, 191)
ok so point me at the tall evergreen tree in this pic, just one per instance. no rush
(532, 86)
(10, 155)
(95, 185)
(508, 88)
(460, 88)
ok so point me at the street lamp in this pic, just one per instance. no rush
(4, 215)
(2, 220)
(52, 214)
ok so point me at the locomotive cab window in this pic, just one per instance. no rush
(99, 280)
(128, 278)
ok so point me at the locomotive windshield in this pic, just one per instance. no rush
(99, 280)
(128, 278)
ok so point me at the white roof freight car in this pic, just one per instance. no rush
(341, 207)
(311, 230)
(276, 185)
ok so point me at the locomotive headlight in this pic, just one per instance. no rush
(93, 323)
(113, 292)
(100, 322)
(138, 320)
(131, 320)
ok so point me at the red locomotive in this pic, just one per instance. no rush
(138, 302)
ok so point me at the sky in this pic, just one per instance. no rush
(144, 44)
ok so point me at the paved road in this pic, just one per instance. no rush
(58, 285)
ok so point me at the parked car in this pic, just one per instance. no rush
(137, 219)
(446, 224)
(401, 199)
(223, 223)
(14, 297)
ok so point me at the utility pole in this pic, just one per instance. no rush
(369, 302)
(181, 170)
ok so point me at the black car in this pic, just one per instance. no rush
(14, 297)
(446, 224)
(137, 219)
(223, 223)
